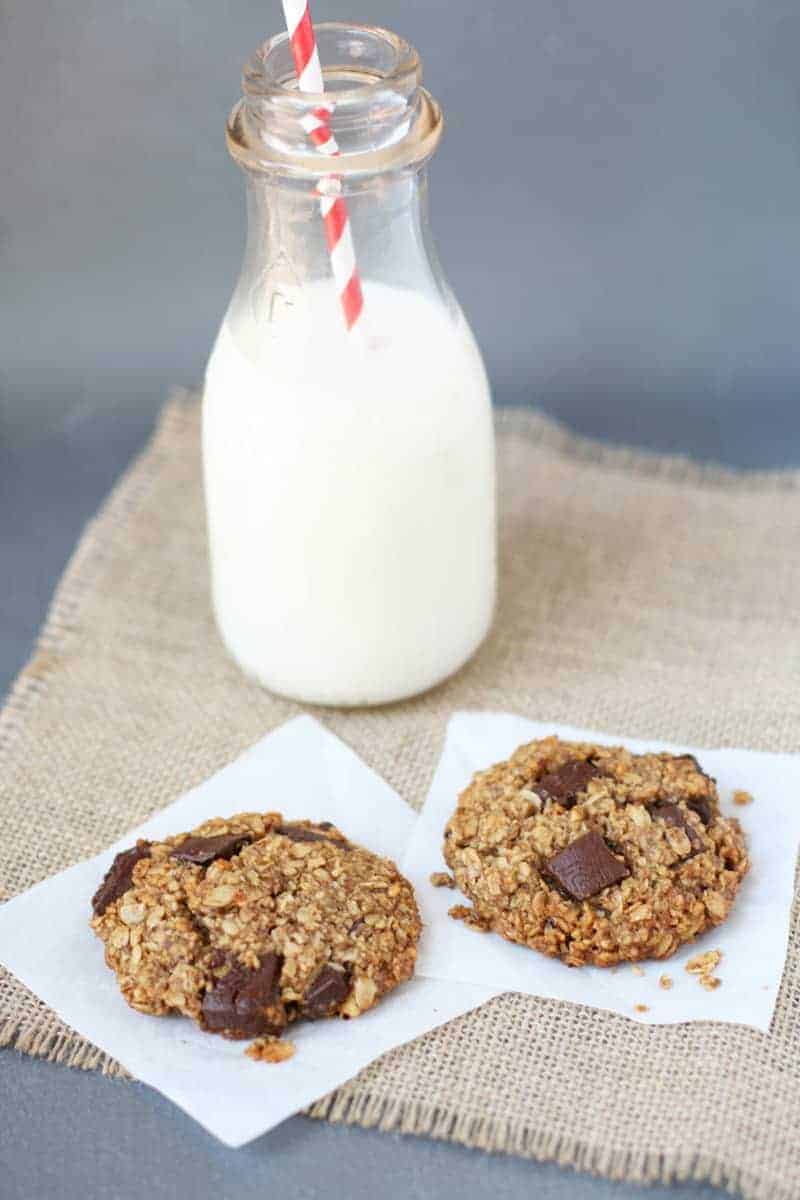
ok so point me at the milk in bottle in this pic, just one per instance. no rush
(349, 475)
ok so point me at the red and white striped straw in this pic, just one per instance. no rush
(333, 208)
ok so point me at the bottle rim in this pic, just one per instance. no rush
(270, 70)
(380, 115)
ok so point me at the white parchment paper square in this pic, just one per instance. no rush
(753, 939)
(303, 771)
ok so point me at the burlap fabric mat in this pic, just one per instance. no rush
(638, 595)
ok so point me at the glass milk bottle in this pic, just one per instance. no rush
(349, 474)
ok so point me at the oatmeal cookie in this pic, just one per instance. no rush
(594, 855)
(249, 923)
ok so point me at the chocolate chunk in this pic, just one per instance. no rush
(119, 877)
(357, 926)
(237, 1004)
(585, 867)
(670, 813)
(702, 806)
(326, 825)
(328, 989)
(302, 833)
(200, 850)
(564, 785)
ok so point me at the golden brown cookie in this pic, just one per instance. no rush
(593, 854)
(249, 923)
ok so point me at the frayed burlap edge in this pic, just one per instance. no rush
(83, 568)
(59, 1045)
(415, 1118)
(518, 1138)
(677, 468)
(50, 1040)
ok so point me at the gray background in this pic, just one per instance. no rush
(616, 206)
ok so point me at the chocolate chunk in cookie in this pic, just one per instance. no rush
(305, 833)
(702, 806)
(566, 784)
(327, 991)
(691, 758)
(118, 879)
(585, 867)
(670, 813)
(203, 850)
(244, 1003)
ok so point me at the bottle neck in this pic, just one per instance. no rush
(386, 127)
(382, 120)
(286, 251)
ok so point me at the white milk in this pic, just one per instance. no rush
(350, 494)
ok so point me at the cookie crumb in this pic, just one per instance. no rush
(637, 970)
(704, 964)
(665, 982)
(270, 1049)
(742, 798)
(460, 912)
(442, 879)
(641, 1008)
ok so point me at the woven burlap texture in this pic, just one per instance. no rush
(638, 595)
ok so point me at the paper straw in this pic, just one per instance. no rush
(332, 206)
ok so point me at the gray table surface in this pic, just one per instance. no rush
(633, 171)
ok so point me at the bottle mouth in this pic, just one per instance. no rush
(356, 60)
(377, 111)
